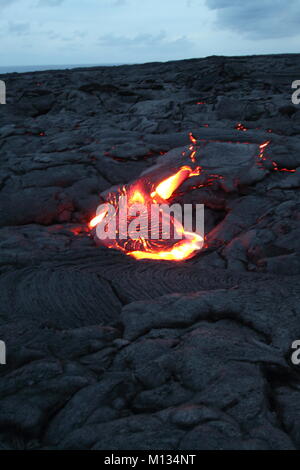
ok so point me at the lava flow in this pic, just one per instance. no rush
(141, 197)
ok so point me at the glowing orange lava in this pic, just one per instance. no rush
(181, 250)
(166, 188)
(96, 220)
(241, 127)
(145, 193)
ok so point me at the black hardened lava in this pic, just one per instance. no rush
(108, 352)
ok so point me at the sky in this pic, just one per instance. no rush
(60, 32)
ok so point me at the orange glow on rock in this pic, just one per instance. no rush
(96, 220)
(192, 139)
(167, 187)
(184, 249)
(137, 198)
(241, 127)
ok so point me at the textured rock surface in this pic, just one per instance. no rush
(106, 352)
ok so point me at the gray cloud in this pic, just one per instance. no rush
(112, 40)
(50, 3)
(119, 3)
(6, 3)
(258, 19)
(19, 29)
(74, 35)
(147, 47)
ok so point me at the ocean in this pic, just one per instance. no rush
(38, 68)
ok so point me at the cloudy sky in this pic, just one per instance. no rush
(38, 32)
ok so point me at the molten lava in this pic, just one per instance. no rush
(166, 188)
(143, 194)
(241, 127)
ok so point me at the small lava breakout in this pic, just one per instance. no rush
(144, 192)
(142, 196)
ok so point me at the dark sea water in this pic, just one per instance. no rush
(38, 68)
